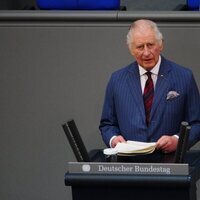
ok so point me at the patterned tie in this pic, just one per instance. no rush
(148, 96)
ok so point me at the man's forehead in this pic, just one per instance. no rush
(144, 38)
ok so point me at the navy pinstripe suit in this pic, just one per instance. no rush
(123, 110)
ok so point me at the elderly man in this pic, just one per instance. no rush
(148, 99)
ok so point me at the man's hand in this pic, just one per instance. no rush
(116, 140)
(167, 144)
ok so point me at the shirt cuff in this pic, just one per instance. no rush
(176, 136)
(110, 142)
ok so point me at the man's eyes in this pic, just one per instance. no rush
(149, 45)
(140, 47)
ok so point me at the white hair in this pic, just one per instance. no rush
(143, 23)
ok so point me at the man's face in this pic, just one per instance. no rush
(146, 48)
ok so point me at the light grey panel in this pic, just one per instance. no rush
(182, 46)
(56, 70)
(49, 75)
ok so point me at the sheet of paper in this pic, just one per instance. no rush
(134, 147)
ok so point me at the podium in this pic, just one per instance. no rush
(142, 186)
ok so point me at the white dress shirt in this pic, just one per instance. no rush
(154, 75)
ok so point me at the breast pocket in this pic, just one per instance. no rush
(175, 106)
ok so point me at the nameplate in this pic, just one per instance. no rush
(128, 168)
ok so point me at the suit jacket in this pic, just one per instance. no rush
(123, 110)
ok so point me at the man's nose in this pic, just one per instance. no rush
(146, 51)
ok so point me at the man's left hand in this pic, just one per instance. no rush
(167, 144)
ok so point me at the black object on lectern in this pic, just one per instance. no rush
(182, 143)
(76, 141)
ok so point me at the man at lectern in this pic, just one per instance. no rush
(148, 99)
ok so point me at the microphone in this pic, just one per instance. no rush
(182, 142)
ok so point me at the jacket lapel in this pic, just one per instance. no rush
(162, 85)
(135, 87)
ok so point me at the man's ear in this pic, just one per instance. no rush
(131, 51)
(162, 45)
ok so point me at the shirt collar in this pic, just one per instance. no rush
(155, 70)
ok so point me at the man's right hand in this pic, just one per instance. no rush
(116, 140)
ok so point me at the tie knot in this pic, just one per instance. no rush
(148, 74)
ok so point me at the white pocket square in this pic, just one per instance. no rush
(172, 94)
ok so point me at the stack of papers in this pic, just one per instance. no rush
(135, 148)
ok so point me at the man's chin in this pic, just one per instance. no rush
(148, 67)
